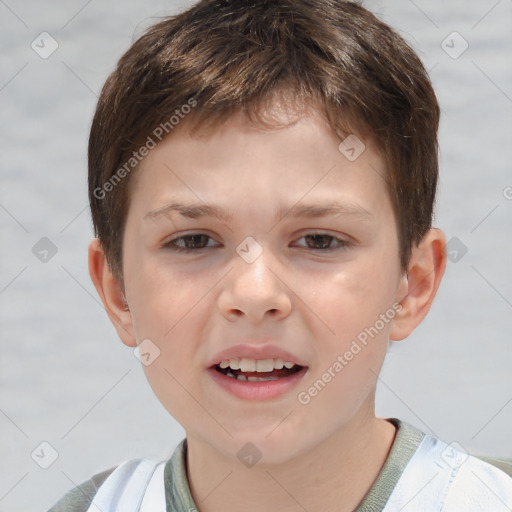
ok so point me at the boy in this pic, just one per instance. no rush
(262, 178)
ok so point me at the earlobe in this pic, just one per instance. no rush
(420, 284)
(111, 293)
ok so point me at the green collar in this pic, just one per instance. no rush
(179, 499)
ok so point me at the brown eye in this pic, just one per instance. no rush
(191, 242)
(195, 241)
(319, 241)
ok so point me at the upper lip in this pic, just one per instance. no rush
(251, 351)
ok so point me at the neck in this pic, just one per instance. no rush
(340, 470)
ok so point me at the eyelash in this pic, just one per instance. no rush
(340, 243)
(171, 244)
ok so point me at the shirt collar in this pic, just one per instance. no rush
(179, 499)
(177, 490)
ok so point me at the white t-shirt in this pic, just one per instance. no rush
(421, 474)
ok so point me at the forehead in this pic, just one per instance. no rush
(239, 163)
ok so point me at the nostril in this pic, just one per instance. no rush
(236, 312)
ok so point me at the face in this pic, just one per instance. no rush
(251, 250)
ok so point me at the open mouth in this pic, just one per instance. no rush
(253, 370)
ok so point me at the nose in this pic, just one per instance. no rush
(255, 291)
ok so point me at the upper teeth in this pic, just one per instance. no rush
(255, 365)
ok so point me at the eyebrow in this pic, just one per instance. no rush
(195, 211)
(190, 210)
(333, 208)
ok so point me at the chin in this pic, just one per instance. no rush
(272, 449)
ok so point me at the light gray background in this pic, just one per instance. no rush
(65, 377)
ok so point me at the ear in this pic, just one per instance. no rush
(420, 283)
(111, 293)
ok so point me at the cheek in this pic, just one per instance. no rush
(161, 298)
(350, 357)
(354, 297)
(170, 310)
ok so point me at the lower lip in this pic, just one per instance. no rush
(265, 390)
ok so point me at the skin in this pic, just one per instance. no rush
(310, 301)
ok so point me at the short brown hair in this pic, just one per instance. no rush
(224, 56)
